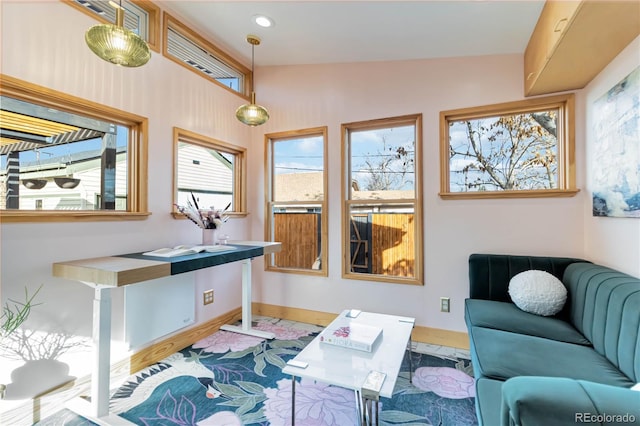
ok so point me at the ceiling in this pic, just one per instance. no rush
(314, 32)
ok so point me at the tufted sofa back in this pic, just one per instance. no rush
(604, 305)
(489, 274)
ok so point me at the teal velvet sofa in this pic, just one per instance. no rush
(575, 367)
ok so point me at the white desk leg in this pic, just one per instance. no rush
(246, 307)
(102, 348)
(98, 410)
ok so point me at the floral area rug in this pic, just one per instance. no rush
(232, 379)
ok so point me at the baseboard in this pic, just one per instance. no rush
(441, 337)
(434, 336)
(293, 314)
(160, 350)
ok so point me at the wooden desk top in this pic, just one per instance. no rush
(132, 268)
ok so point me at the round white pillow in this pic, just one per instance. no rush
(537, 292)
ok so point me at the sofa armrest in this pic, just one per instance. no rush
(556, 401)
(489, 274)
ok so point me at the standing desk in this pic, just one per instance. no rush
(107, 273)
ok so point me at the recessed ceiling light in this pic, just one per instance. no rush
(263, 21)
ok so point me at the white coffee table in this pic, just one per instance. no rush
(348, 368)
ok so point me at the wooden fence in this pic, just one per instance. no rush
(381, 243)
(299, 234)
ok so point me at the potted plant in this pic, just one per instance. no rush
(13, 315)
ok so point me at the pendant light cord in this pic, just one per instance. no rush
(253, 47)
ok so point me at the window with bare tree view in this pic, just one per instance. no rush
(382, 200)
(511, 149)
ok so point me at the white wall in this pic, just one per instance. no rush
(611, 241)
(43, 43)
(307, 96)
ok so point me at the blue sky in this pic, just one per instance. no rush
(306, 154)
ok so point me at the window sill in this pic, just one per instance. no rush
(544, 193)
(232, 215)
(389, 279)
(298, 271)
(69, 216)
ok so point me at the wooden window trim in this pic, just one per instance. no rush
(239, 169)
(566, 145)
(170, 22)
(137, 153)
(415, 120)
(269, 202)
(152, 10)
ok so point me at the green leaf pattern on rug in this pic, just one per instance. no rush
(269, 351)
(402, 418)
(245, 397)
(231, 379)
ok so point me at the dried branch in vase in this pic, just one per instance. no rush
(204, 218)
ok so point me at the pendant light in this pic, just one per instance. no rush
(252, 114)
(116, 44)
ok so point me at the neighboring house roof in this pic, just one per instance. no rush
(383, 195)
(307, 186)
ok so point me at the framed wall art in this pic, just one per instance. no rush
(615, 171)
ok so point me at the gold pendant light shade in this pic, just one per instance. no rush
(252, 114)
(116, 44)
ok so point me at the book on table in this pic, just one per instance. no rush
(351, 334)
(186, 250)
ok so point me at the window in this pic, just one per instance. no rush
(295, 194)
(213, 171)
(185, 47)
(141, 17)
(516, 149)
(381, 187)
(66, 158)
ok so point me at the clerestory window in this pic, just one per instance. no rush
(187, 48)
(141, 17)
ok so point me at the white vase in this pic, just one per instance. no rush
(208, 237)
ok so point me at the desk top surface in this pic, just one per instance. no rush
(131, 268)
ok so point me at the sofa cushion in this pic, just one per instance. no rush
(558, 401)
(537, 292)
(502, 355)
(506, 316)
(489, 274)
(605, 307)
(488, 401)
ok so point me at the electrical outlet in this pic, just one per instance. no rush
(207, 297)
(444, 304)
